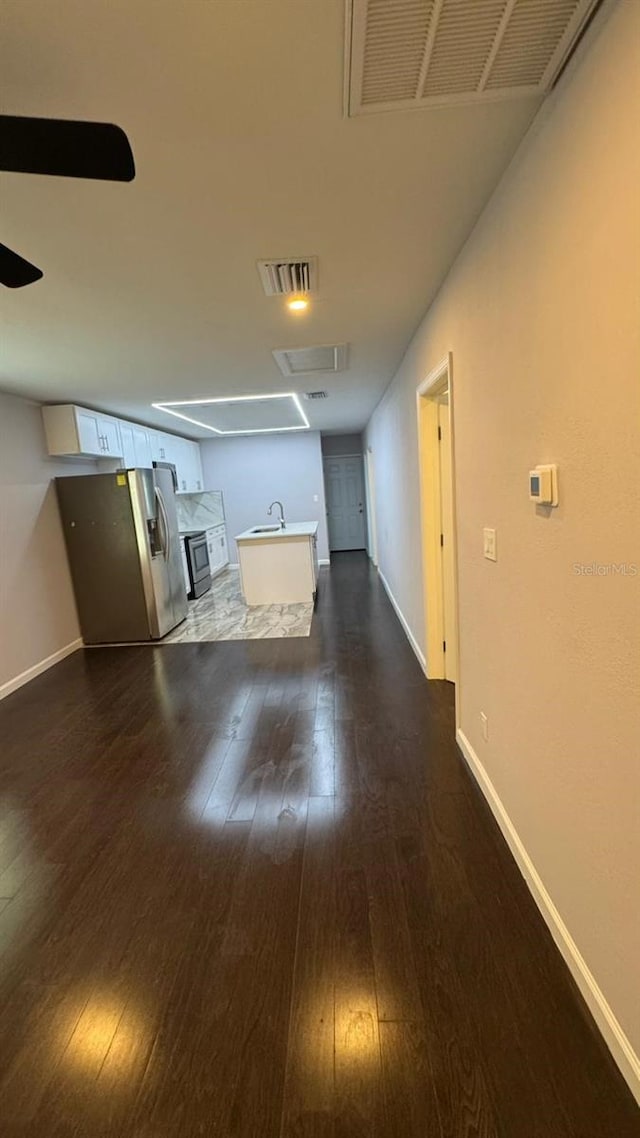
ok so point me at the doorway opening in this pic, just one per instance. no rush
(344, 493)
(437, 509)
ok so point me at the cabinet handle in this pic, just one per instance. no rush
(198, 485)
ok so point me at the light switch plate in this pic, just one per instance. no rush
(490, 548)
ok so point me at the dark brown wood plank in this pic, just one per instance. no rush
(358, 1072)
(410, 1101)
(309, 1089)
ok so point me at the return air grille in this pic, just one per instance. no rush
(316, 395)
(302, 361)
(415, 53)
(282, 278)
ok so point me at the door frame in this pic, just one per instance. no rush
(370, 493)
(427, 392)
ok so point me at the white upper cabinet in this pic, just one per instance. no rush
(141, 445)
(185, 456)
(136, 445)
(77, 431)
(158, 449)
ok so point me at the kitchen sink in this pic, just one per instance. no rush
(265, 529)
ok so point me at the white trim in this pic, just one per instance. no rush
(432, 383)
(614, 1036)
(324, 561)
(36, 669)
(401, 617)
(370, 491)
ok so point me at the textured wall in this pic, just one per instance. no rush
(253, 470)
(541, 313)
(37, 609)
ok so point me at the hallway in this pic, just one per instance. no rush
(249, 889)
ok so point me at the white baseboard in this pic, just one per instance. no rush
(614, 1036)
(35, 670)
(401, 617)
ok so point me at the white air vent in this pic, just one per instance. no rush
(420, 53)
(302, 361)
(316, 395)
(289, 275)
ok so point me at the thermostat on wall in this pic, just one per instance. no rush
(543, 485)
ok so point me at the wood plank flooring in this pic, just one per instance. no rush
(250, 890)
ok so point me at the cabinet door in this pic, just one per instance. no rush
(170, 448)
(154, 445)
(142, 445)
(212, 547)
(128, 445)
(89, 433)
(224, 551)
(196, 468)
(110, 433)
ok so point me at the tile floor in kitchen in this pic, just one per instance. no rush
(221, 614)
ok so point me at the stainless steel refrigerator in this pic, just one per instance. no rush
(121, 532)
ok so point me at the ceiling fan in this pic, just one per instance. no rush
(66, 149)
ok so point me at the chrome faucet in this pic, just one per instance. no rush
(283, 524)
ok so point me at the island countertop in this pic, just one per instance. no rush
(293, 529)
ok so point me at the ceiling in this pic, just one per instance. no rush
(234, 111)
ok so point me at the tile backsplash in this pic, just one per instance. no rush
(200, 511)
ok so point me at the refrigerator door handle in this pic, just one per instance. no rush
(166, 544)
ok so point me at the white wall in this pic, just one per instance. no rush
(253, 470)
(37, 610)
(541, 314)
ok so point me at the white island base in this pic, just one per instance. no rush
(281, 567)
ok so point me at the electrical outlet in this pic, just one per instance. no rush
(490, 548)
(485, 726)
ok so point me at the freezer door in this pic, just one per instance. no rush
(153, 550)
(165, 495)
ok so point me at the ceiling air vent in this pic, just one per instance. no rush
(290, 275)
(421, 53)
(316, 395)
(301, 361)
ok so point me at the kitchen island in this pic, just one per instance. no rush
(279, 566)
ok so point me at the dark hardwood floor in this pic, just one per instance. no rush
(250, 890)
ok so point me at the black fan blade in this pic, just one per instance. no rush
(65, 148)
(15, 271)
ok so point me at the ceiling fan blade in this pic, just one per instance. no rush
(65, 148)
(15, 272)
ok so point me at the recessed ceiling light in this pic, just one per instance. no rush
(298, 303)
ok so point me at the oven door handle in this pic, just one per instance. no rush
(166, 544)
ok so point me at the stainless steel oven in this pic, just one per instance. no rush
(195, 545)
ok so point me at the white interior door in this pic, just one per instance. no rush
(446, 541)
(344, 491)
